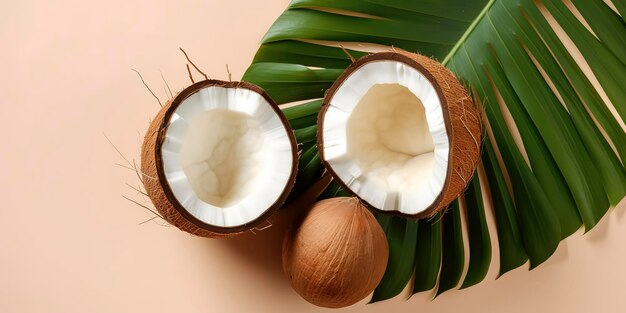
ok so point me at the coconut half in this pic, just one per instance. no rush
(400, 132)
(219, 158)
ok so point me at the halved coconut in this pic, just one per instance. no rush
(399, 131)
(219, 158)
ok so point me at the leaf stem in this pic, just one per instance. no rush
(469, 30)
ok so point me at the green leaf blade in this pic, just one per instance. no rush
(402, 239)
(564, 173)
(452, 255)
(606, 24)
(427, 255)
(512, 252)
(478, 234)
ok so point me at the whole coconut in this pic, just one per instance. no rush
(337, 255)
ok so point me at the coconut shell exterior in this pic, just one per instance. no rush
(461, 118)
(153, 175)
(337, 254)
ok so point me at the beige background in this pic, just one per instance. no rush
(70, 243)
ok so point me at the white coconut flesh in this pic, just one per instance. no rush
(385, 137)
(227, 156)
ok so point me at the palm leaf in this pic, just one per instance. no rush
(478, 233)
(402, 237)
(567, 170)
(621, 8)
(512, 252)
(452, 254)
(427, 255)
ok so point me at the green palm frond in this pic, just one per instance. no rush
(568, 169)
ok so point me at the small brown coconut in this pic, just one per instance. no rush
(337, 254)
(399, 131)
(206, 121)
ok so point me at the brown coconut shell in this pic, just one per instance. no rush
(158, 188)
(336, 254)
(461, 118)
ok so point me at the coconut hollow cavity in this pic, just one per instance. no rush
(219, 158)
(400, 132)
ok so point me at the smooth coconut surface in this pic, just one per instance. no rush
(337, 254)
(386, 133)
(224, 157)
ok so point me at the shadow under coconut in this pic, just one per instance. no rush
(263, 248)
